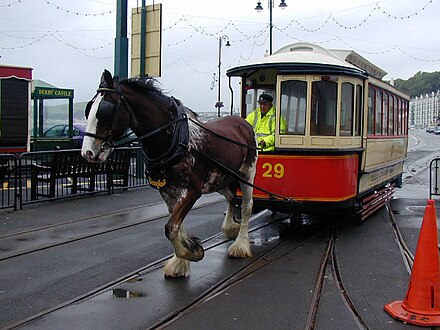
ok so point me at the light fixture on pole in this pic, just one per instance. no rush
(225, 38)
(259, 8)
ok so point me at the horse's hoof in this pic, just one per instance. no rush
(176, 268)
(239, 251)
(174, 277)
(194, 250)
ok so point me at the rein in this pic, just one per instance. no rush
(239, 178)
(179, 144)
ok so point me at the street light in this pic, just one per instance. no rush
(225, 38)
(259, 8)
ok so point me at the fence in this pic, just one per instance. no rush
(46, 175)
(434, 177)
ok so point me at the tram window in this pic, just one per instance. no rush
(397, 115)
(346, 121)
(323, 112)
(371, 109)
(358, 110)
(378, 128)
(391, 115)
(252, 97)
(385, 121)
(293, 106)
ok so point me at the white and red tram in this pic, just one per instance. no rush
(347, 130)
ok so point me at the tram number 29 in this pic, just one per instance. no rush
(273, 170)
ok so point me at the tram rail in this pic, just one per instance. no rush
(209, 243)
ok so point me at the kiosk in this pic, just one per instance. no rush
(51, 106)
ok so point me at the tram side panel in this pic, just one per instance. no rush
(318, 181)
(384, 158)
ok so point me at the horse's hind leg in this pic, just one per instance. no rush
(230, 228)
(241, 248)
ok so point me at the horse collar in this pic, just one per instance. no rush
(179, 142)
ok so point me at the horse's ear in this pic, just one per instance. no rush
(106, 79)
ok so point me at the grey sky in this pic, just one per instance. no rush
(69, 43)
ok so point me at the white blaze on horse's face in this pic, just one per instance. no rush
(91, 148)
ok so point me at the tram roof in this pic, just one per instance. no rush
(302, 57)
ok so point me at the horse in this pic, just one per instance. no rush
(184, 157)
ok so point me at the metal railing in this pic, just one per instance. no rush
(33, 177)
(434, 177)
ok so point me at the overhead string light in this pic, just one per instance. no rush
(358, 25)
(35, 40)
(10, 4)
(77, 13)
(57, 35)
(405, 16)
(202, 31)
(355, 26)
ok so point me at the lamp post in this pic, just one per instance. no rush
(259, 8)
(225, 38)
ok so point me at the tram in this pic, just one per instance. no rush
(347, 131)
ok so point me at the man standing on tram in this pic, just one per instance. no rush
(263, 121)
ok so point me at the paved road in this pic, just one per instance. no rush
(373, 268)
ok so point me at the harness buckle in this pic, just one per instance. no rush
(106, 146)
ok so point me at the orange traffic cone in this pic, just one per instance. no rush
(422, 301)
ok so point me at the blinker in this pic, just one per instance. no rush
(88, 107)
(106, 112)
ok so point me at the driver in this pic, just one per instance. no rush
(262, 120)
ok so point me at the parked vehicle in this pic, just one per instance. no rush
(62, 132)
(437, 130)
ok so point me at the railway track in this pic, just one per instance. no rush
(329, 269)
(287, 246)
(76, 230)
(325, 274)
(209, 243)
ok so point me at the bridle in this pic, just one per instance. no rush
(107, 114)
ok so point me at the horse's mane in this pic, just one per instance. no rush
(144, 84)
(148, 85)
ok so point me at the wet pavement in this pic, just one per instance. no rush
(277, 296)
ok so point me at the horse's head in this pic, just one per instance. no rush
(108, 116)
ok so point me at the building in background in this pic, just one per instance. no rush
(425, 110)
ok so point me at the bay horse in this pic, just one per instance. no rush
(185, 158)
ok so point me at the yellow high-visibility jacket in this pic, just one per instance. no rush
(265, 127)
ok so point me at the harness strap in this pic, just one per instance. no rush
(223, 137)
(239, 178)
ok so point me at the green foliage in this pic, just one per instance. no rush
(420, 84)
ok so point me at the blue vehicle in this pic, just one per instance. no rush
(62, 132)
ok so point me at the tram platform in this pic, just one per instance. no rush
(276, 297)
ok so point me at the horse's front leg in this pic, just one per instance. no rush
(186, 248)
